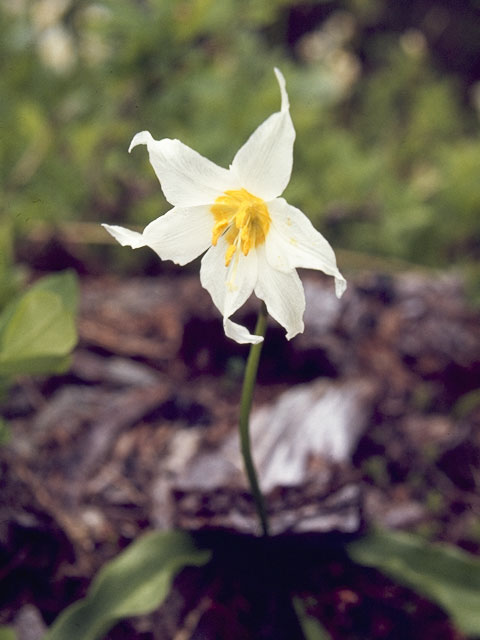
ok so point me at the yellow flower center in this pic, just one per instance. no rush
(243, 218)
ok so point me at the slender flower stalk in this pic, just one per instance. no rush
(244, 423)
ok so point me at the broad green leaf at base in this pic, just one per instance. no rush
(311, 627)
(7, 633)
(134, 583)
(444, 574)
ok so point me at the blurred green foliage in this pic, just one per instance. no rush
(135, 582)
(311, 627)
(445, 574)
(7, 633)
(37, 325)
(387, 158)
(37, 328)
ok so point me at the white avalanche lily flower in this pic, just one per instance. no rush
(254, 240)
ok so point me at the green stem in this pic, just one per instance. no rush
(245, 406)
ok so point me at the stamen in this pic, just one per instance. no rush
(218, 229)
(242, 216)
(230, 253)
(243, 219)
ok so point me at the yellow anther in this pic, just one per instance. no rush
(218, 229)
(242, 215)
(229, 254)
(247, 239)
(243, 218)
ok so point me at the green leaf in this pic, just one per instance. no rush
(134, 583)
(7, 633)
(9, 275)
(37, 331)
(444, 574)
(4, 439)
(38, 335)
(63, 284)
(311, 627)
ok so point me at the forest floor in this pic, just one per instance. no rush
(139, 435)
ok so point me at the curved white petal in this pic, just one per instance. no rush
(240, 334)
(181, 234)
(187, 178)
(264, 164)
(230, 286)
(292, 241)
(283, 294)
(125, 237)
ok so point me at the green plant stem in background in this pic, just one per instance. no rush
(244, 424)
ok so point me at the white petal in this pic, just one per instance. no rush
(187, 178)
(181, 234)
(240, 334)
(230, 286)
(124, 236)
(264, 164)
(292, 241)
(283, 294)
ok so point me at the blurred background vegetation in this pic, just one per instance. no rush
(385, 99)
